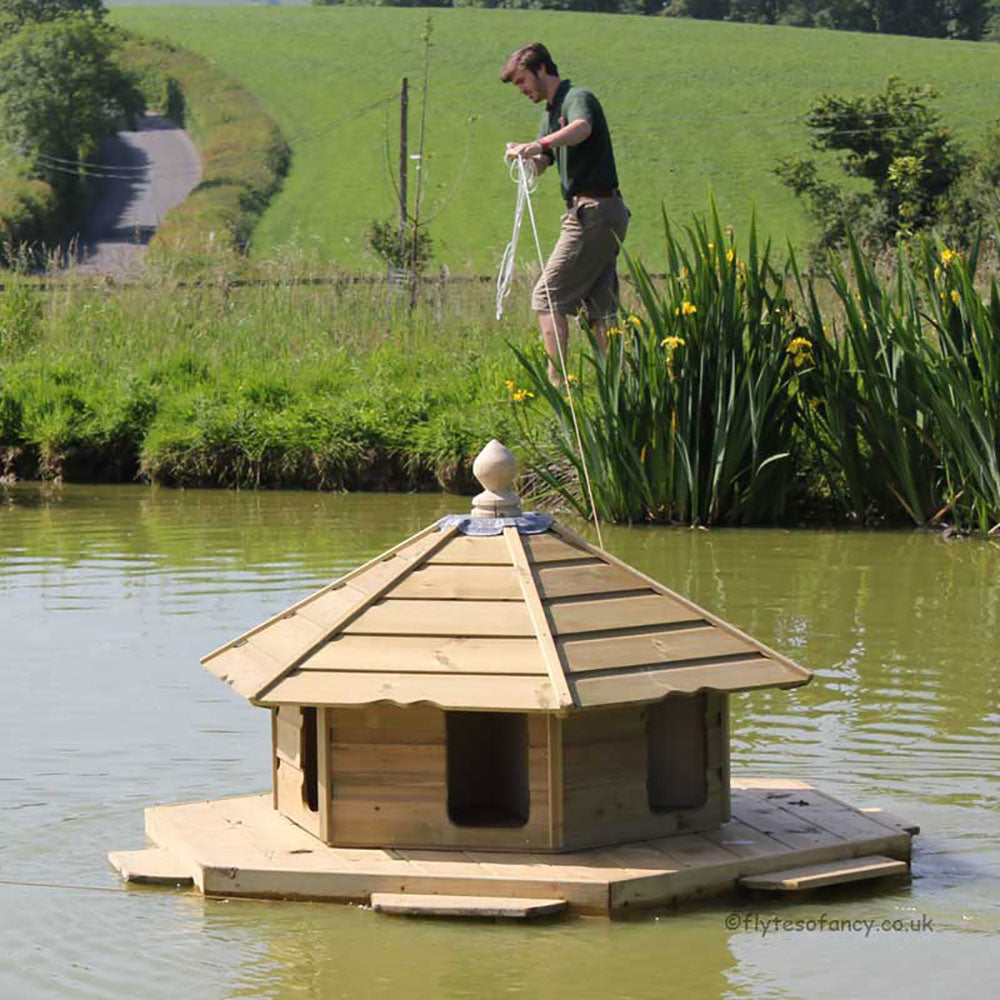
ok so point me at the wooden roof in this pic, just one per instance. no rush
(542, 622)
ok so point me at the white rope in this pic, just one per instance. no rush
(524, 177)
(525, 187)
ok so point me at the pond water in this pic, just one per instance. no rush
(108, 596)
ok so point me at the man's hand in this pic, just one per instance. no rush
(573, 134)
(525, 150)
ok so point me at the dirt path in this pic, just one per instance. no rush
(157, 166)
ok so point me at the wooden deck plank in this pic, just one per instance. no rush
(830, 814)
(739, 781)
(329, 607)
(592, 577)
(751, 807)
(428, 654)
(831, 873)
(244, 667)
(467, 618)
(549, 547)
(470, 583)
(494, 907)
(648, 648)
(891, 819)
(152, 866)
(511, 692)
(745, 840)
(602, 613)
(649, 684)
(472, 550)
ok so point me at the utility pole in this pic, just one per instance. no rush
(404, 102)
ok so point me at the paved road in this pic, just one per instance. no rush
(157, 166)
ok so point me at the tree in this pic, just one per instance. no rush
(15, 14)
(61, 92)
(893, 140)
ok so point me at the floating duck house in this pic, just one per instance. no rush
(489, 694)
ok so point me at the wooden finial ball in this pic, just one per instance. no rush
(496, 468)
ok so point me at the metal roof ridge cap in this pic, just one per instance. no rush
(364, 601)
(536, 611)
(568, 535)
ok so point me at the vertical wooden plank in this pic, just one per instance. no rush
(533, 602)
(556, 782)
(323, 771)
(274, 758)
(724, 775)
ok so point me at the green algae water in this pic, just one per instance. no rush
(108, 596)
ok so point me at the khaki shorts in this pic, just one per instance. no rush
(582, 268)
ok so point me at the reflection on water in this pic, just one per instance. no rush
(108, 596)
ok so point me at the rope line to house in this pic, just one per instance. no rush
(524, 176)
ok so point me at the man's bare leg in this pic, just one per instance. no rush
(556, 325)
(600, 329)
(555, 332)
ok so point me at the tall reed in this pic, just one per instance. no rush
(689, 416)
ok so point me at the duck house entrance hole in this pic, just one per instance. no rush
(488, 769)
(676, 740)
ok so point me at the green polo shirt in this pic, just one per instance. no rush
(590, 165)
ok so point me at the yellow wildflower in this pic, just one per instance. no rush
(521, 395)
(937, 272)
(686, 309)
(711, 246)
(801, 351)
(672, 343)
(955, 297)
(947, 256)
(614, 331)
(510, 385)
(730, 256)
(634, 321)
(572, 378)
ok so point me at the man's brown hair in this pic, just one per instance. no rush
(531, 57)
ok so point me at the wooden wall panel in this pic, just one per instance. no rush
(389, 783)
(290, 782)
(605, 771)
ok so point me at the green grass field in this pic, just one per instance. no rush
(692, 105)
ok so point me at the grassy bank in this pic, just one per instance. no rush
(691, 104)
(735, 389)
(332, 387)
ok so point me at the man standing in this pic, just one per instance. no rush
(574, 135)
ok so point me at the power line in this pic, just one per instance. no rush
(59, 164)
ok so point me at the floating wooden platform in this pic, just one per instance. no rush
(243, 847)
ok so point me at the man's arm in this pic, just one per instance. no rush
(573, 134)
